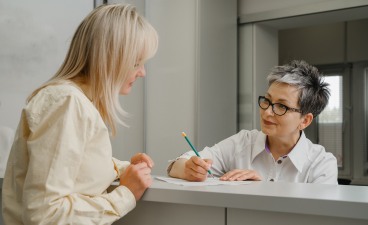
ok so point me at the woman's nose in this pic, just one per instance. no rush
(269, 110)
(141, 72)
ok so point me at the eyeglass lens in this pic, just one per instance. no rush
(277, 108)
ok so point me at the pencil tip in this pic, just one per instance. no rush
(183, 134)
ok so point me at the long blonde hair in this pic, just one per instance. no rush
(107, 46)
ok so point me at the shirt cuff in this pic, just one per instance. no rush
(120, 166)
(123, 199)
(169, 167)
(172, 161)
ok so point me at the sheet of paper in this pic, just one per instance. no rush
(209, 181)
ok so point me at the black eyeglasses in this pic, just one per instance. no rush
(277, 108)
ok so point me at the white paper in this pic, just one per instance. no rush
(208, 182)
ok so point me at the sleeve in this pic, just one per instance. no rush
(120, 166)
(222, 154)
(56, 145)
(325, 170)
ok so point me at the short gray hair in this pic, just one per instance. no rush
(314, 93)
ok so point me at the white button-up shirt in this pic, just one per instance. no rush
(306, 163)
(61, 164)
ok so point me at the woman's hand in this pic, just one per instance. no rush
(142, 157)
(137, 178)
(237, 175)
(196, 169)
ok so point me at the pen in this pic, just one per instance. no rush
(195, 151)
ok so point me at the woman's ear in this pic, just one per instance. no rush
(306, 121)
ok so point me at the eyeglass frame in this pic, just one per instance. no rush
(287, 108)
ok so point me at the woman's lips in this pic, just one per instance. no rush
(266, 122)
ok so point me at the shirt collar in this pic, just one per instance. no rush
(298, 155)
(259, 145)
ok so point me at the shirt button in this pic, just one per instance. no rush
(279, 161)
(271, 180)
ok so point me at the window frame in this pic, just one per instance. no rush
(312, 131)
(366, 120)
(359, 133)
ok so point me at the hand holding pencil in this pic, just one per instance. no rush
(197, 168)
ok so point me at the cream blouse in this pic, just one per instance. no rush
(61, 164)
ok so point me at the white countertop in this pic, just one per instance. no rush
(312, 199)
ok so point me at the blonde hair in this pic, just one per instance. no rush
(107, 46)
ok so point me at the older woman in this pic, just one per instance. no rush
(281, 151)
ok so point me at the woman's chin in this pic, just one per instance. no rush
(126, 91)
(265, 130)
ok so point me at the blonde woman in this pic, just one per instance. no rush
(61, 161)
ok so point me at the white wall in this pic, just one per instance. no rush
(192, 82)
(326, 44)
(246, 7)
(171, 91)
(261, 10)
(323, 44)
(34, 39)
(357, 44)
(246, 107)
(256, 58)
(217, 71)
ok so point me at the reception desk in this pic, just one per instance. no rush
(256, 203)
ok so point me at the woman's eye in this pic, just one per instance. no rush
(281, 106)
